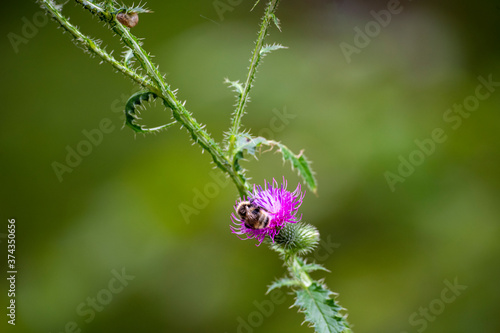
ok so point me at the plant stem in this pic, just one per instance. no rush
(295, 267)
(93, 47)
(297, 271)
(157, 85)
(254, 61)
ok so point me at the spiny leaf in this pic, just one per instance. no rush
(269, 48)
(134, 9)
(283, 282)
(314, 267)
(127, 56)
(310, 267)
(138, 10)
(276, 22)
(321, 310)
(300, 163)
(131, 117)
(244, 142)
(238, 88)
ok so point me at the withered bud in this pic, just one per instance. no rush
(128, 19)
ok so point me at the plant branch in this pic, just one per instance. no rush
(92, 46)
(254, 62)
(314, 298)
(157, 85)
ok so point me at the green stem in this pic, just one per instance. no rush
(157, 85)
(254, 62)
(299, 274)
(180, 113)
(93, 47)
(296, 268)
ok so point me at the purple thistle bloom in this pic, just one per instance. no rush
(279, 204)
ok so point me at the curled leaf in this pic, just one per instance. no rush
(131, 116)
(276, 21)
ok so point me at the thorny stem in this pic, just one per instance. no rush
(93, 47)
(254, 61)
(157, 85)
(298, 273)
(295, 267)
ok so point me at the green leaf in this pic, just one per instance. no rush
(284, 282)
(245, 142)
(321, 310)
(238, 88)
(138, 10)
(131, 116)
(300, 163)
(276, 22)
(128, 56)
(314, 267)
(269, 48)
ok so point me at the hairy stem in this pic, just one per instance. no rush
(329, 317)
(155, 83)
(254, 62)
(295, 268)
(92, 45)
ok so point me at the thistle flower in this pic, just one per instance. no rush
(277, 205)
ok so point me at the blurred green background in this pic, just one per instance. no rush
(120, 207)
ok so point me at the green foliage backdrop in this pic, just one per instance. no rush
(123, 207)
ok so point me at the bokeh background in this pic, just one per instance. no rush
(121, 207)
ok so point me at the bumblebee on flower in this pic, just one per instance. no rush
(266, 211)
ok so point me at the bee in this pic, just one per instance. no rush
(254, 217)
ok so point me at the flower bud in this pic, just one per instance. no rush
(296, 238)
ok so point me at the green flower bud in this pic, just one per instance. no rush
(296, 238)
